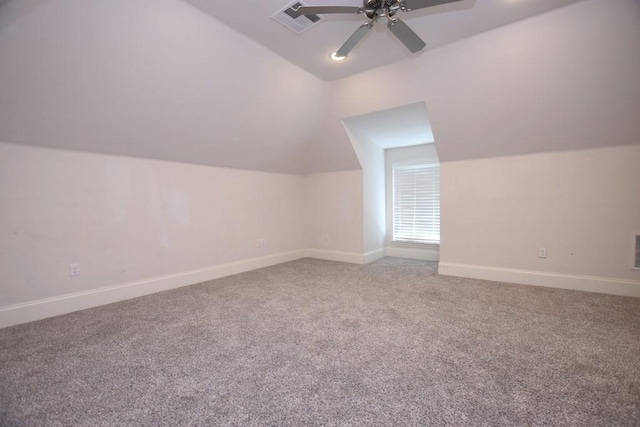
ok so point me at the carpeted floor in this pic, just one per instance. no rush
(315, 342)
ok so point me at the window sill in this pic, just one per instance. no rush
(417, 245)
(421, 251)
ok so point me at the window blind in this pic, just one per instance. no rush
(416, 203)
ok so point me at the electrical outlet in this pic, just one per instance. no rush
(261, 243)
(74, 270)
(542, 252)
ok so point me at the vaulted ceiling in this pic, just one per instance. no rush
(230, 87)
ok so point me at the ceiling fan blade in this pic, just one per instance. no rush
(406, 35)
(320, 10)
(354, 39)
(421, 4)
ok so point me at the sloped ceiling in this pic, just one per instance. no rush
(565, 80)
(152, 78)
(161, 79)
(402, 126)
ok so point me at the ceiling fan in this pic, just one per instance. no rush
(375, 10)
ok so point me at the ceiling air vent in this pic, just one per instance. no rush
(636, 241)
(290, 18)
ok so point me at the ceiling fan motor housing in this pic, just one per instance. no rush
(380, 8)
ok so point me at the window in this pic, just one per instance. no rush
(416, 203)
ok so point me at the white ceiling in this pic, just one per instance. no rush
(310, 50)
(402, 126)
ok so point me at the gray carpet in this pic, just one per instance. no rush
(315, 342)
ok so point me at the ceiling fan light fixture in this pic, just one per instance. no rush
(377, 10)
(334, 56)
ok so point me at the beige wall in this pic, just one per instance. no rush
(371, 158)
(127, 219)
(138, 226)
(583, 206)
(334, 215)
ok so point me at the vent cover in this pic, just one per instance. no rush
(290, 18)
(636, 252)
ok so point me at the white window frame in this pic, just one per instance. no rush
(634, 238)
(407, 225)
(421, 154)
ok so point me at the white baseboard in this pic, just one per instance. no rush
(425, 254)
(603, 285)
(374, 255)
(351, 257)
(40, 309)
